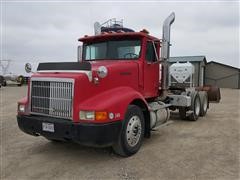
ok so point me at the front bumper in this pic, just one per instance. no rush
(105, 134)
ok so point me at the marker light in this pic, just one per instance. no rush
(21, 108)
(111, 115)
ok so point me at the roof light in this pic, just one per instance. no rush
(145, 31)
(120, 31)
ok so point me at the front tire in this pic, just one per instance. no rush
(132, 133)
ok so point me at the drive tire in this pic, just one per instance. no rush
(133, 127)
(204, 103)
(195, 106)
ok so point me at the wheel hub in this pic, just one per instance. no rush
(133, 132)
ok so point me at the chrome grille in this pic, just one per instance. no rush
(52, 97)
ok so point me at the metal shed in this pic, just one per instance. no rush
(199, 63)
(222, 75)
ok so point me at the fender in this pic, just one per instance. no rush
(115, 101)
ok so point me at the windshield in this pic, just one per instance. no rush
(117, 49)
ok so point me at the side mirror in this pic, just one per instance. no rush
(79, 53)
(28, 67)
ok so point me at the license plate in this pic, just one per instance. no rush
(49, 127)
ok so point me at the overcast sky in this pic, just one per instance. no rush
(43, 31)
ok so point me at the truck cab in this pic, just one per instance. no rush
(130, 59)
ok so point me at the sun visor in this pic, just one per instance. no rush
(64, 66)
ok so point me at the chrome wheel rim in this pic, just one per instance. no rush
(205, 104)
(134, 130)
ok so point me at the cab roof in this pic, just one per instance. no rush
(110, 35)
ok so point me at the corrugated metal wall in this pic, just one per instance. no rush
(222, 75)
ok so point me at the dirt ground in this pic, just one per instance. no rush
(206, 149)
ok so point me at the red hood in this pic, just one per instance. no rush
(121, 73)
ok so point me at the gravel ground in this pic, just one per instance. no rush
(206, 149)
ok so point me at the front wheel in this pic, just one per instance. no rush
(132, 133)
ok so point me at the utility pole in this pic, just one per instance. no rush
(4, 65)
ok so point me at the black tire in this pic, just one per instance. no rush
(195, 106)
(20, 80)
(182, 113)
(54, 140)
(125, 147)
(204, 102)
(4, 83)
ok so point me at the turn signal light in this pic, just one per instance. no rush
(101, 116)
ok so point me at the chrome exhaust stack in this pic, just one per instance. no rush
(165, 51)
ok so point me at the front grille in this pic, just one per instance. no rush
(52, 97)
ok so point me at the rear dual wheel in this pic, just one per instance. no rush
(195, 107)
(204, 102)
(132, 133)
(199, 106)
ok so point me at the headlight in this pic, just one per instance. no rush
(87, 115)
(102, 71)
(93, 115)
(21, 108)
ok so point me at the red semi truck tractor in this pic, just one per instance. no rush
(113, 96)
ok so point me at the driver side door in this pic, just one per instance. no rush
(151, 70)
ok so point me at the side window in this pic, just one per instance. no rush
(150, 53)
